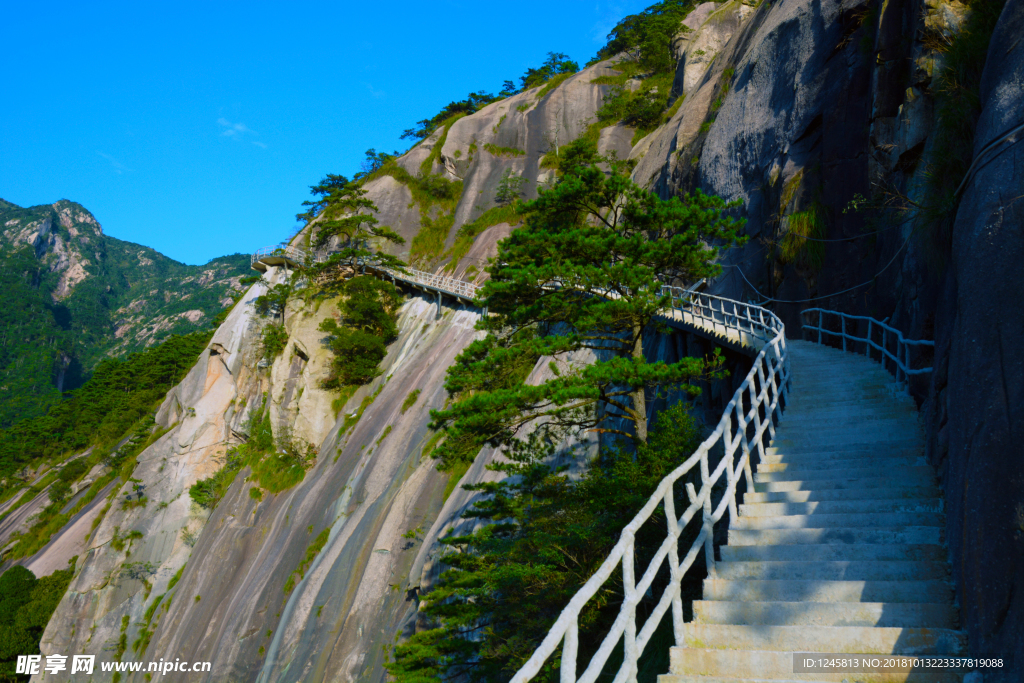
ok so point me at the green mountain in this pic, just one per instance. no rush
(73, 296)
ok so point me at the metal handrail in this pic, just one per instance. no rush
(294, 253)
(902, 355)
(449, 285)
(765, 384)
(747, 417)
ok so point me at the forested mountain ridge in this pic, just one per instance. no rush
(74, 296)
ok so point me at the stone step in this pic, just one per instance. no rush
(789, 590)
(865, 494)
(814, 552)
(875, 392)
(869, 520)
(920, 535)
(921, 472)
(810, 638)
(838, 507)
(855, 484)
(880, 417)
(788, 445)
(905, 410)
(854, 450)
(898, 615)
(819, 463)
(850, 368)
(872, 393)
(849, 409)
(849, 439)
(832, 383)
(879, 570)
(839, 405)
(832, 457)
(778, 665)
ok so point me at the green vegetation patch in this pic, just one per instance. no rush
(351, 420)
(120, 393)
(437, 198)
(506, 152)
(277, 463)
(312, 550)
(51, 344)
(800, 243)
(957, 89)
(273, 341)
(26, 605)
(553, 83)
(470, 231)
(410, 400)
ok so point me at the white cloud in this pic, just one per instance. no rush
(234, 129)
(259, 144)
(376, 93)
(118, 166)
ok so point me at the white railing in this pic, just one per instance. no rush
(745, 323)
(901, 358)
(449, 285)
(741, 431)
(445, 284)
(281, 250)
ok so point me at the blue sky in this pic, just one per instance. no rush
(197, 128)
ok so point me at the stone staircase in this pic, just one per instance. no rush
(840, 548)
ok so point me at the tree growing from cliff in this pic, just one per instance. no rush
(360, 336)
(555, 64)
(546, 532)
(343, 212)
(646, 37)
(584, 275)
(510, 188)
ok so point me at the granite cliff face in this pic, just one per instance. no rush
(795, 108)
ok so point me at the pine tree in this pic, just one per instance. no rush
(585, 273)
(342, 211)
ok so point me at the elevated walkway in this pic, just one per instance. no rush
(442, 285)
(840, 546)
(837, 546)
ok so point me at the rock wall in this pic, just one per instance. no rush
(977, 434)
(790, 107)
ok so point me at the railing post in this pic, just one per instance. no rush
(899, 361)
(567, 674)
(906, 365)
(629, 593)
(885, 347)
(843, 319)
(730, 456)
(821, 323)
(867, 344)
(709, 529)
(672, 521)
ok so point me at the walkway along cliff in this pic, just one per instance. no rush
(818, 115)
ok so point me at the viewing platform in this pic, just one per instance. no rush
(278, 255)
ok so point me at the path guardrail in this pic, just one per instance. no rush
(447, 285)
(752, 412)
(279, 250)
(901, 357)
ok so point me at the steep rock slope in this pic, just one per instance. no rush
(789, 107)
(75, 296)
